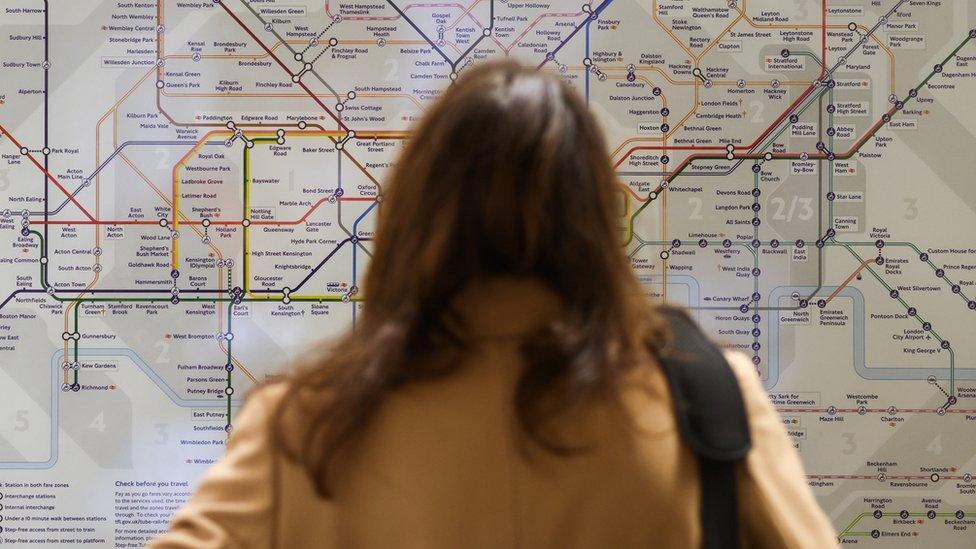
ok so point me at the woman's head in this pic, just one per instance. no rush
(506, 175)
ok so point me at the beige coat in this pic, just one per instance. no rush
(439, 467)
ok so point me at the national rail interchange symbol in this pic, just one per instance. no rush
(298, 61)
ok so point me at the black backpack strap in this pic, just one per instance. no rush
(712, 420)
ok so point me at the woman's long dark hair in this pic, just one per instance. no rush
(507, 175)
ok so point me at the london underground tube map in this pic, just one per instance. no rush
(188, 192)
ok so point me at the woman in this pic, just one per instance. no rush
(503, 386)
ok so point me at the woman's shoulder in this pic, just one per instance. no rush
(268, 395)
(745, 372)
(278, 415)
(263, 400)
(259, 410)
(758, 407)
(772, 483)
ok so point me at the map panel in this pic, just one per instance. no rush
(188, 192)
